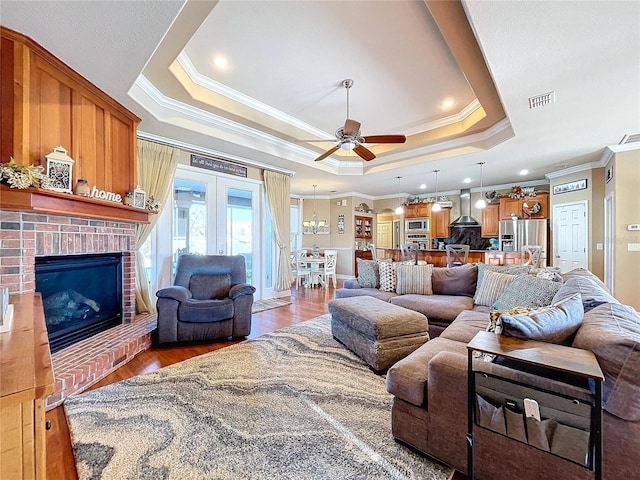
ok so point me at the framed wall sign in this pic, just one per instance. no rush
(570, 186)
(218, 166)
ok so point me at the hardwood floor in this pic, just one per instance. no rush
(306, 303)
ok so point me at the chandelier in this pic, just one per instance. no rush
(314, 225)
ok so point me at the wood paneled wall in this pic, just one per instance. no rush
(45, 104)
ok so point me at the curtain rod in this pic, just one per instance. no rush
(190, 148)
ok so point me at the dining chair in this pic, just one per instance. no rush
(303, 271)
(374, 254)
(329, 269)
(457, 255)
(534, 255)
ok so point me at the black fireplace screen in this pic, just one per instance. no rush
(82, 295)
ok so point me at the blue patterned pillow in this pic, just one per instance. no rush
(527, 291)
(368, 273)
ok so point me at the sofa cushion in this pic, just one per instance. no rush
(455, 281)
(363, 292)
(466, 325)
(590, 290)
(435, 307)
(388, 276)
(414, 279)
(552, 324)
(612, 332)
(206, 286)
(368, 273)
(407, 378)
(493, 284)
(584, 273)
(527, 291)
(508, 269)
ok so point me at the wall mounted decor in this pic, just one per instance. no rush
(570, 186)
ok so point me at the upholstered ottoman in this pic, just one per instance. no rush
(378, 332)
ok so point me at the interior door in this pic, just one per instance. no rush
(384, 234)
(570, 236)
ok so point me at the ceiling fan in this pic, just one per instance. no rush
(350, 138)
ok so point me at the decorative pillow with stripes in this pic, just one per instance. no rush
(414, 279)
(493, 284)
(388, 276)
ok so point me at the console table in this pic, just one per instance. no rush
(26, 381)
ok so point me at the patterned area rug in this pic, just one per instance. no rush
(292, 404)
(267, 304)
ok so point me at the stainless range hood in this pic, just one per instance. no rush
(465, 219)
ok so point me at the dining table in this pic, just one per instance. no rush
(315, 264)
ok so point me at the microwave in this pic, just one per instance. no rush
(416, 225)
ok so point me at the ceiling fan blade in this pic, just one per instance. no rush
(327, 153)
(385, 139)
(351, 127)
(364, 152)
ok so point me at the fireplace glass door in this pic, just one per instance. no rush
(81, 295)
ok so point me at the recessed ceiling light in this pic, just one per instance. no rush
(423, 186)
(448, 103)
(221, 62)
(524, 171)
(466, 180)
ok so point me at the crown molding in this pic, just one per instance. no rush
(213, 153)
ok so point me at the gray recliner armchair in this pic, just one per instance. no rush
(209, 300)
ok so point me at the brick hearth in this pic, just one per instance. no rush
(27, 235)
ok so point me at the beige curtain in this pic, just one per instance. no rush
(156, 168)
(278, 190)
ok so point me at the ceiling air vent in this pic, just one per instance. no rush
(542, 100)
(631, 138)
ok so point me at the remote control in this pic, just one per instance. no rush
(531, 408)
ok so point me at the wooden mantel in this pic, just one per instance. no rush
(46, 201)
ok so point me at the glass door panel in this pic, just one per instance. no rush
(190, 220)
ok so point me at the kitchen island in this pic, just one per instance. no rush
(439, 257)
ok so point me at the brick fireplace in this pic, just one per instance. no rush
(25, 235)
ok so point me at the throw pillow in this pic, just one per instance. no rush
(551, 275)
(414, 279)
(527, 291)
(455, 281)
(388, 276)
(368, 273)
(495, 326)
(492, 286)
(584, 273)
(508, 269)
(553, 324)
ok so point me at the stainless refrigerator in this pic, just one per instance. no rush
(516, 233)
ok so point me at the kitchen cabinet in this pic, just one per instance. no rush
(515, 206)
(363, 227)
(417, 210)
(490, 220)
(439, 223)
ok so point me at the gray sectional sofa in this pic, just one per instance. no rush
(430, 385)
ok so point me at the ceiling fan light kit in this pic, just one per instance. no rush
(350, 138)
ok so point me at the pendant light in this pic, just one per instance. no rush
(436, 205)
(399, 208)
(314, 226)
(480, 204)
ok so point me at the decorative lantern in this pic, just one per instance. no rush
(60, 169)
(139, 197)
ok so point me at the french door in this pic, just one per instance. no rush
(217, 215)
